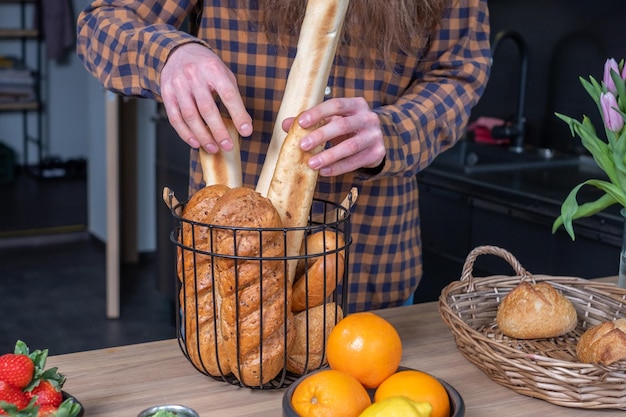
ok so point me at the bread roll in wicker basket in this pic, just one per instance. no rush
(547, 369)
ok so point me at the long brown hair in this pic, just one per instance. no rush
(383, 26)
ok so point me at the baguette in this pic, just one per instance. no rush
(291, 191)
(308, 76)
(223, 167)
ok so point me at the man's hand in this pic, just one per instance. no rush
(192, 81)
(351, 127)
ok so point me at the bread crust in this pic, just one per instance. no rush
(203, 340)
(604, 343)
(223, 167)
(308, 76)
(533, 311)
(307, 353)
(256, 333)
(321, 273)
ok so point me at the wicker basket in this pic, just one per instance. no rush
(542, 368)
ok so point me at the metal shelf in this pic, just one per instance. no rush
(27, 37)
(27, 105)
(18, 33)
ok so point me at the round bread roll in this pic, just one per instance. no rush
(534, 311)
(323, 271)
(306, 354)
(603, 343)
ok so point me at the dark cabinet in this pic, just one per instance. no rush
(456, 219)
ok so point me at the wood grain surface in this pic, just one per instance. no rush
(122, 381)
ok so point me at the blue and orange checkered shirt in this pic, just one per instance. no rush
(423, 102)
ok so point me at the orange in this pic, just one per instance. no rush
(418, 386)
(329, 393)
(365, 346)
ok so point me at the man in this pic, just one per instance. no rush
(404, 80)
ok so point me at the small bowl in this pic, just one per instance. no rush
(180, 410)
(457, 405)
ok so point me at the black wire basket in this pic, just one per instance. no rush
(244, 324)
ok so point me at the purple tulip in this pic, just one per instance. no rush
(610, 65)
(613, 120)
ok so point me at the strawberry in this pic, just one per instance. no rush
(46, 393)
(12, 395)
(17, 369)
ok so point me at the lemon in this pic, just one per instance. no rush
(398, 406)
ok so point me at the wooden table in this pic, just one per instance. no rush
(123, 381)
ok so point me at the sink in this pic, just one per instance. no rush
(473, 158)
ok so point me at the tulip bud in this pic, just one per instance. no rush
(613, 120)
(610, 65)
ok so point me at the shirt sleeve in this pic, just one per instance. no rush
(125, 44)
(432, 114)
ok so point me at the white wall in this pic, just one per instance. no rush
(74, 126)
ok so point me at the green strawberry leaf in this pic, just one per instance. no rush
(39, 358)
(21, 348)
(68, 408)
(54, 377)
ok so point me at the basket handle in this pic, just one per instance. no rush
(490, 250)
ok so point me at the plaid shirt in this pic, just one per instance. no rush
(423, 106)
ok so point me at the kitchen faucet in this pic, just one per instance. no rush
(514, 131)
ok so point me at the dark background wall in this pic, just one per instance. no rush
(566, 39)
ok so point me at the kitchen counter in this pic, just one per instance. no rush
(124, 380)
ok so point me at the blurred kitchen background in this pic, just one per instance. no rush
(54, 170)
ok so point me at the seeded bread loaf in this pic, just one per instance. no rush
(253, 296)
(196, 294)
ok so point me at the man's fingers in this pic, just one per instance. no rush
(233, 102)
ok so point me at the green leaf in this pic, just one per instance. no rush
(39, 358)
(611, 189)
(21, 348)
(598, 149)
(570, 210)
(609, 155)
(620, 86)
(594, 89)
(619, 155)
(68, 408)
